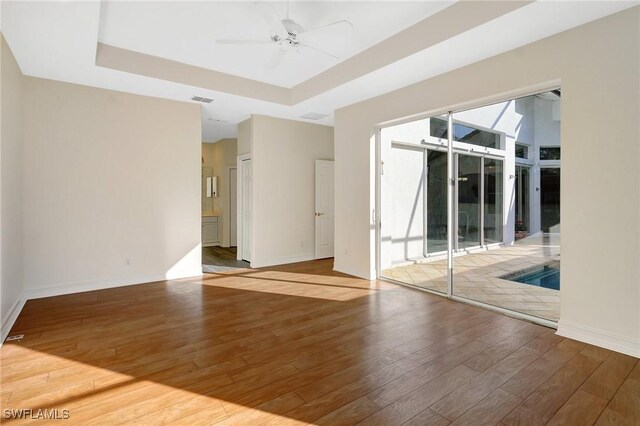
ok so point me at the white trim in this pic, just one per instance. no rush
(10, 318)
(600, 338)
(240, 218)
(228, 209)
(262, 263)
(81, 287)
(534, 89)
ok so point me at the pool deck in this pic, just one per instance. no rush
(477, 276)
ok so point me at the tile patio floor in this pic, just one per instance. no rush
(476, 276)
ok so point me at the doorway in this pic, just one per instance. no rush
(455, 205)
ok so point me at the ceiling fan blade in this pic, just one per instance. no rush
(243, 41)
(270, 16)
(341, 28)
(315, 49)
(275, 60)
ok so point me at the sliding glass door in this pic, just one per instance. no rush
(467, 212)
(436, 202)
(493, 195)
(522, 196)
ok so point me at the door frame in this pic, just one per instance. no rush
(240, 218)
(228, 209)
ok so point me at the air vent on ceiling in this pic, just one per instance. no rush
(314, 116)
(201, 99)
(217, 120)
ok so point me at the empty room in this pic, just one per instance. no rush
(320, 212)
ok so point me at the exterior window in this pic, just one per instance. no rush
(464, 133)
(549, 152)
(522, 151)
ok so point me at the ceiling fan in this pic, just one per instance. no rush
(287, 35)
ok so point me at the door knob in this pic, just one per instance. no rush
(319, 214)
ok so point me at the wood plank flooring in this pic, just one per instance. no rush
(222, 256)
(301, 344)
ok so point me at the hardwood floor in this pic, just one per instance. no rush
(301, 344)
(222, 256)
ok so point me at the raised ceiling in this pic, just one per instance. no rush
(166, 49)
(186, 31)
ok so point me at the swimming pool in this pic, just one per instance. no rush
(547, 276)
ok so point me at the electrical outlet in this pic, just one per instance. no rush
(16, 337)
(301, 244)
(127, 261)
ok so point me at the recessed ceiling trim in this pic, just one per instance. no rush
(152, 66)
(445, 24)
(449, 22)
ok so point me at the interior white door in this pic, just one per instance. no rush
(233, 207)
(247, 186)
(324, 208)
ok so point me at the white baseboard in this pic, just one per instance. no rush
(11, 317)
(600, 338)
(263, 263)
(80, 287)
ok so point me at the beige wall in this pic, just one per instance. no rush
(11, 282)
(111, 188)
(245, 137)
(221, 156)
(284, 154)
(598, 67)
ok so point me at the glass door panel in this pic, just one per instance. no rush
(522, 189)
(436, 202)
(522, 273)
(413, 208)
(468, 201)
(550, 199)
(493, 196)
(504, 235)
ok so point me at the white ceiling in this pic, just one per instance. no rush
(57, 40)
(186, 31)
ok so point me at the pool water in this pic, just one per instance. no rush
(547, 276)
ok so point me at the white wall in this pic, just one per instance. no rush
(245, 137)
(111, 188)
(598, 66)
(11, 284)
(283, 156)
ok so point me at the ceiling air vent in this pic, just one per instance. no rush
(314, 116)
(201, 99)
